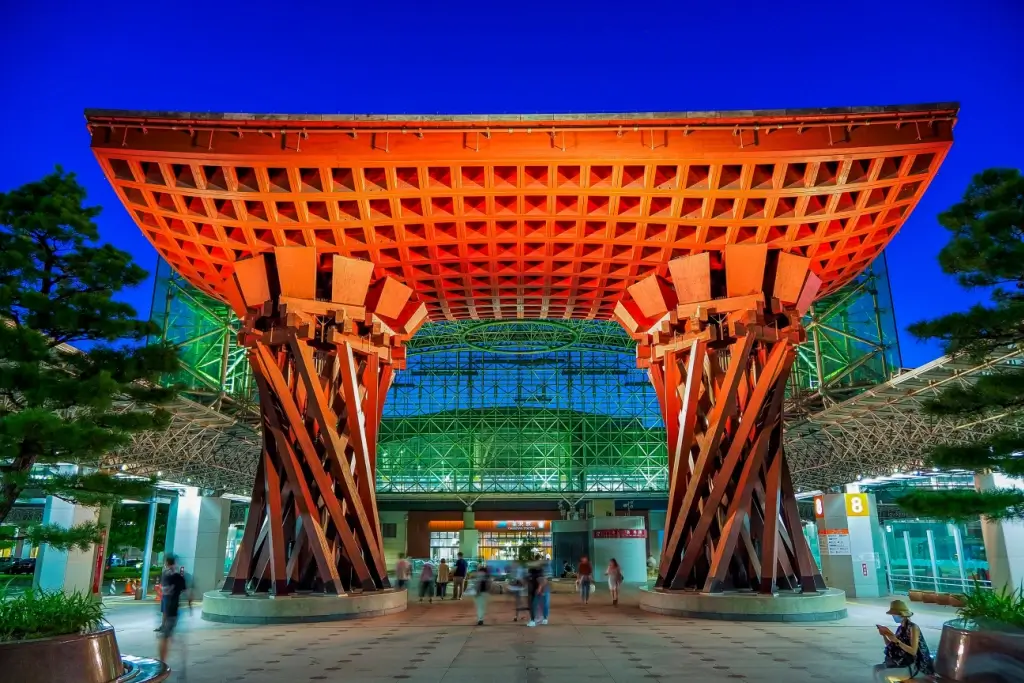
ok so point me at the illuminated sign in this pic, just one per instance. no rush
(819, 506)
(857, 505)
(620, 533)
(520, 524)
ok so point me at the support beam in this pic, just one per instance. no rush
(323, 368)
(720, 365)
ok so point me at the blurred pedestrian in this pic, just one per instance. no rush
(614, 574)
(481, 591)
(427, 581)
(174, 587)
(536, 587)
(443, 577)
(461, 570)
(403, 571)
(584, 578)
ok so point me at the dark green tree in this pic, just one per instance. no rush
(986, 251)
(76, 378)
(128, 525)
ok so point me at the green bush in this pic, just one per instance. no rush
(38, 614)
(991, 609)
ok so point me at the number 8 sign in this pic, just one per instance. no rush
(857, 505)
(819, 506)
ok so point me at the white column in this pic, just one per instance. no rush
(1004, 540)
(67, 570)
(199, 525)
(850, 541)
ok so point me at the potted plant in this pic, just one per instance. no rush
(986, 641)
(57, 636)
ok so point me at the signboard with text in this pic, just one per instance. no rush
(834, 542)
(620, 533)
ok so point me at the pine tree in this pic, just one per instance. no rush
(986, 251)
(76, 376)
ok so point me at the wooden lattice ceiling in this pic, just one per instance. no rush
(529, 217)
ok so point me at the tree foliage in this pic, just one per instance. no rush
(59, 403)
(128, 525)
(986, 250)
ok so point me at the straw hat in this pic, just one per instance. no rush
(899, 608)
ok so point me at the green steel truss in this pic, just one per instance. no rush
(534, 406)
(215, 369)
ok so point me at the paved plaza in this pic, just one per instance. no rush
(440, 642)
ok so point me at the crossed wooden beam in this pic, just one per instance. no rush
(324, 339)
(719, 337)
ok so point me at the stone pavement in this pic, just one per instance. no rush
(441, 643)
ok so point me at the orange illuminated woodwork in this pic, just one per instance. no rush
(706, 235)
(515, 216)
(719, 339)
(323, 354)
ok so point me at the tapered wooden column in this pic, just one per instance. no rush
(324, 338)
(719, 338)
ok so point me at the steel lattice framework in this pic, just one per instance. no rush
(514, 419)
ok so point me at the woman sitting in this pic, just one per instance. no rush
(904, 649)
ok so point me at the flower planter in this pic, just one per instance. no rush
(84, 658)
(956, 600)
(916, 596)
(930, 597)
(971, 653)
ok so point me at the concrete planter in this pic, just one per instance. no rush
(970, 653)
(86, 658)
(930, 597)
(916, 596)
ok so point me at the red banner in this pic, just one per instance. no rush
(97, 570)
(620, 533)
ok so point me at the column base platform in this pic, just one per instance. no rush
(225, 608)
(827, 605)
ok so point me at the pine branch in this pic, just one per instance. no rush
(963, 505)
(95, 489)
(81, 536)
(1001, 390)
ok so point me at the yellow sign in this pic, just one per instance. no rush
(857, 505)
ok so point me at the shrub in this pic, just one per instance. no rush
(993, 609)
(38, 614)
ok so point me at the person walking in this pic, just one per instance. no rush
(482, 590)
(584, 578)
(614, 574)
(427, 581)
(403, 571)
(461, 569)
(536, 586)
(174, 587)
(443, 577)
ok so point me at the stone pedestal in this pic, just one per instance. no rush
(297, 608)
(198, 537)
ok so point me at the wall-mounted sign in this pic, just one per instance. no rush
(520, 524)
(819, 506)
(620, 533)
(856, 505)
(834, 542)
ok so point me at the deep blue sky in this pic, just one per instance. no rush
(58, 58)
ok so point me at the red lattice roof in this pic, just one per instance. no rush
(530, 217)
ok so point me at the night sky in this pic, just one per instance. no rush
(58, 58)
